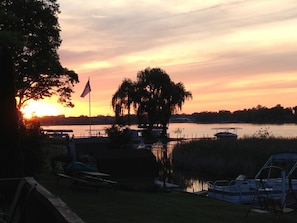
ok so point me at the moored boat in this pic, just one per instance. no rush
(226, 133)
(220, 135)
(275, 179)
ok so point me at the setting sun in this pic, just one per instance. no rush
(41, 108)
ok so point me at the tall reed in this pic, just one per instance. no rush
(213, 159)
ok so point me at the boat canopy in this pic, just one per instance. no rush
(287, 161)
(226, 128)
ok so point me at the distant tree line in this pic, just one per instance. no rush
(79, 120)
(259, 114)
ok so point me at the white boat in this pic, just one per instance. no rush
(274, 180)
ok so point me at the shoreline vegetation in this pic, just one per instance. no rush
(226, 159)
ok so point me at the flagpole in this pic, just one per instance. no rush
(90, 123)
(87, 90)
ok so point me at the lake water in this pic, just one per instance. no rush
(193, 130)
(190, 131)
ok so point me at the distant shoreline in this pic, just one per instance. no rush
(198, 118)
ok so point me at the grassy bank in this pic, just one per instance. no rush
(121, 206)
(212, 159)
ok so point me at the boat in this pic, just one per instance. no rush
(56, 133)
(275, 179)
(226, 133)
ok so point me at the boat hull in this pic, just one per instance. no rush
(224, 135)
(246, 191)
(274, 180)
(241, 197)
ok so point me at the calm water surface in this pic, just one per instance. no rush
(192, 130)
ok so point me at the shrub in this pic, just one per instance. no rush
(59, 162)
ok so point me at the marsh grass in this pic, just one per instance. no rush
(212, 159)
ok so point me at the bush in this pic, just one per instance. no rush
(120, 137)
(59, 162)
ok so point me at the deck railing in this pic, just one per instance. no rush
(25, 200)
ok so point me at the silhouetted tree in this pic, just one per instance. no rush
(123, 99)
(153, 95)
(34, 27)
(159, 97)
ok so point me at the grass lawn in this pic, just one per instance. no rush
(105, 205)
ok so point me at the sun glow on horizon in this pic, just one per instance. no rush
(41, 108)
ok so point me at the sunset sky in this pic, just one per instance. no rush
(230, 54)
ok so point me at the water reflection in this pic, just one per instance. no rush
(196, 185)
(187, 183)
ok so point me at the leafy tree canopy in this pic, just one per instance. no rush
(154, 96)
(31, 30)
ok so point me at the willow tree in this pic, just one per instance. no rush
(153, 95)
(123, 99)
(38, 72)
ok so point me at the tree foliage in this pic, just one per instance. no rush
(120, 137)
(31, 30)
(154, 97)
(258, 114)
(123, 99)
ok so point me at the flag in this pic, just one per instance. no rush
(87, 89)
